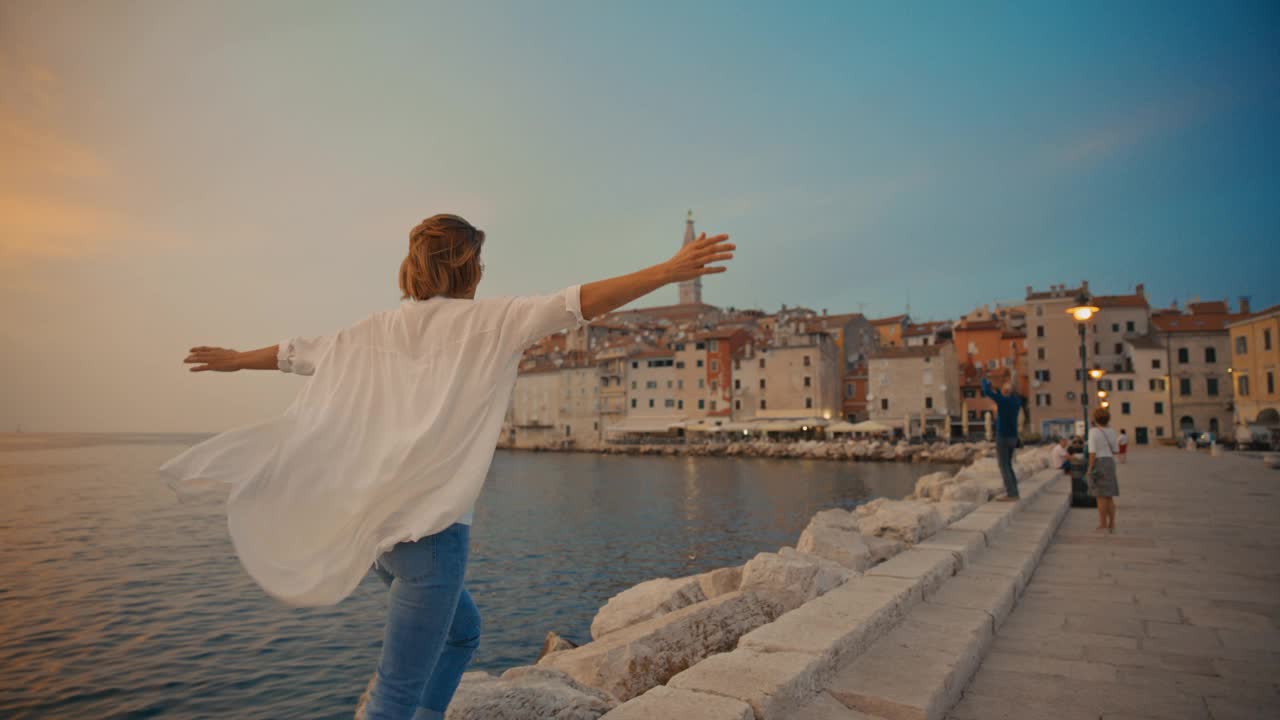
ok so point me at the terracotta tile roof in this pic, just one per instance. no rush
(1169, 323)
(1105, 301)
(653, 354)
(1236, 319)
(1011, 334)
(1211, 307)
(889, 320)
(978, 325)
(1145, 342)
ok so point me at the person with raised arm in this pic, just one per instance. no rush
(379, 460)
(1008, 405)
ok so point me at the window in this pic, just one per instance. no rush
(1042, 375)
(633, 403)
(1119, 348)
(761, 383)
(808, 402)
(650, 402)
(1039, 353)
(1128, 326)
(1155, 363)
(1160, 431)
(1039, 331)
(1156, 385)
(1210, 355)
(1183, 356)
(680, 384)
(715, 385)
(1115, 327)
(1039, 310)
(1242, 345)
(1271, 383)
(715, 366)
(737, 364)
(635, 365)
(1266, 339)
(680, 404)
(669, 403)
(1242, 382)
(761, 363)
(807, 382)
(884, 403)
(669, 384)
(715, 345)
(1124, 408)
(679, 347)
(1184, 386)
(970, 393)
(680, 364)
(702, 383)
(651, 385)
(737, 404)
(806, 361)
(928, 402)
(762, 404)
(702, 404)
(713, 406)
(1097, 348)
(737, 383)
(699, 362)
(1212, 386)
(848, 389)
(700, 346)
(633, 384)
(1159, 408)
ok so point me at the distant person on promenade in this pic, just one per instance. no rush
(1060, 456)
(1103, 483)
(1008, 405)
(380, 459)
(1123, 443)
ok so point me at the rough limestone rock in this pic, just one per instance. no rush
(555, 643)
(834, 535)
(720, 581)
(930, 486)
(647, 600)
(969, 492)
(907, 520)
(527, 692)
(953, 510)
(803, 575)
(628, 662)
(882, 549)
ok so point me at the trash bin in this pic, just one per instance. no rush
(1080, 496)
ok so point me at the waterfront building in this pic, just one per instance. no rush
(915, 389)
(1255, 364)
(985, 347)
(1053, 358)
(1198, 355)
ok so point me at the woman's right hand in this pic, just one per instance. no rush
(213, 358)
(694, 260)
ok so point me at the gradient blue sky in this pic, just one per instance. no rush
(234, 173)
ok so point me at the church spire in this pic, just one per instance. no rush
(690, 290)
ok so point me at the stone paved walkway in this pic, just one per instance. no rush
(1177, 615)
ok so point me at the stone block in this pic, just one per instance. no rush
(992, 594)
(776, 685)
(966, 544)
(928, 568)
(647, 600)
(665, 703)
(806, 576)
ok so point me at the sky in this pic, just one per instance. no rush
(235, 173)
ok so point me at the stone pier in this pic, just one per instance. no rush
(1176, 615)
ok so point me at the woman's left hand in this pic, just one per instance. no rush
(213, 358)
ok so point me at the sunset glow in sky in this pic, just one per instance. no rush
(234, 173)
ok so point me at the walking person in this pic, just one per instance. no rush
(1122, 442)
(1008, 404)
(380, 459)
(1103, 483)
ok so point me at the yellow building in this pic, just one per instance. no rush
(1255, 366)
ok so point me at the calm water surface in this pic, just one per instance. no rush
(118, 602)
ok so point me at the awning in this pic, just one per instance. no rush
(790, 424)
(645, 425)
(705, 426)
(870, 426)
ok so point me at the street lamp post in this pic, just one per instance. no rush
(1081, 312)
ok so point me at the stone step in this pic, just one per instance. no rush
(918, 670)
(902, 610)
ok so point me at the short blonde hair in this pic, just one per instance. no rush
(443, 259)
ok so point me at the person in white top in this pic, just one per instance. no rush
(380, 459)
(1103, 483)
(1122, 447)
(1060, 456)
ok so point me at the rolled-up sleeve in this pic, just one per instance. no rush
(300, 355)
(531, 318)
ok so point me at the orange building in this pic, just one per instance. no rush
(891, 329)
(986, 348)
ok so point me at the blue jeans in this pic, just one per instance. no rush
(432, 631)
(1004, 457)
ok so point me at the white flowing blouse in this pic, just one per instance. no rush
(389, 441)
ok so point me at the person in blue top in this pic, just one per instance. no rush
(1008, 405)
